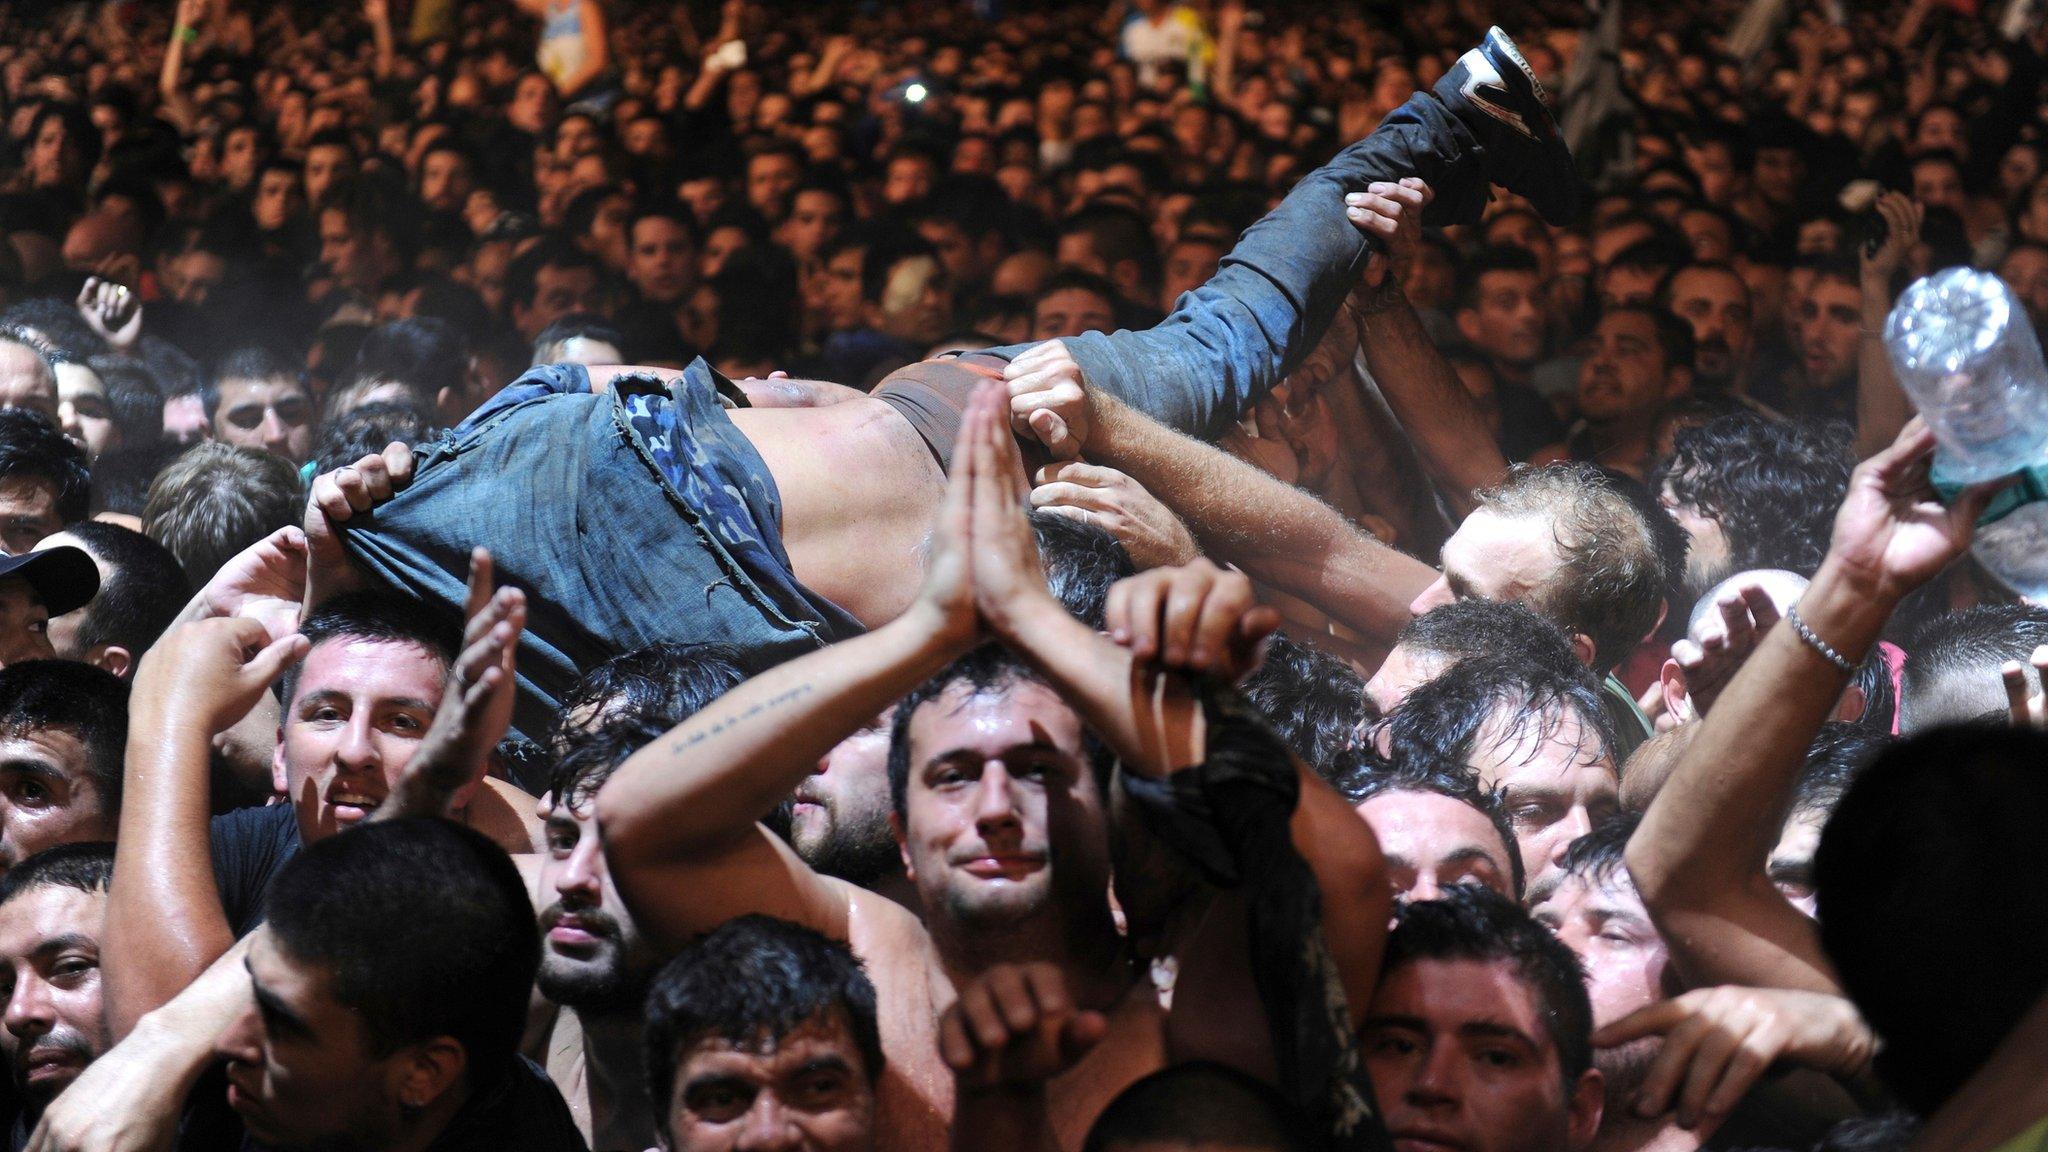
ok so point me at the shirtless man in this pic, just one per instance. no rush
(1000, 814)
(665, 517)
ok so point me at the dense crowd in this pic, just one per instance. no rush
(1009, 577)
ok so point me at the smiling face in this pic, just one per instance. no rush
(50, 978)
(999, 792)
(358, 714)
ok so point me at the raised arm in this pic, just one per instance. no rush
(681, 816)
(1282, 536)
(1198, 619)
(134, 1094)
(476, 708)
(1423, 390)
(597, 53)
(1700, 855)
(165, 922)
(170, 83)
(1881, 405)
(378, 13)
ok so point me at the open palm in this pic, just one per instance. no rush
(1893, 533)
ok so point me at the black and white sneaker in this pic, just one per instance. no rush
(1496, 94)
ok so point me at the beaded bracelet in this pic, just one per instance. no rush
(1814, 641)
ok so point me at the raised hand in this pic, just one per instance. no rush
(1108, 499)
(111, 310)
(947, 598)
(334, 498)
(1196, 617)
(1882, 260)
(1718, 1042)
(1743, 616)
(1015, 1026)
(1009, 581)
(1892, 533)
(1049, 399)
(476, 707)
(212, 671)
(265, 582)
(1390, 213)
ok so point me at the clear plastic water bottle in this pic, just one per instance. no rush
(1964, 351)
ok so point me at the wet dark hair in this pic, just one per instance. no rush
(1082, 561)
(988, 668)
(1360, 774)
(460, 961)
(588, 758)
(88, 702)
(1314, 701)
(1478, 627)
(660, 686)
(375, 616)
(1441, 723)
(87, 867)
(33, 447)
(1474, 923)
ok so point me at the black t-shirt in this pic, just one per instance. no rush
(250, 845)
(522, 1111)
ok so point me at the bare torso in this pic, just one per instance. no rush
(915, 1100)
(859, 489)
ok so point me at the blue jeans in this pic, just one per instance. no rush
(631, 517)
(1227, 343)
(644, 515)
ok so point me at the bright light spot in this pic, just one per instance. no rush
(916, 93)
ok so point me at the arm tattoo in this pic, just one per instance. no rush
(724, 723)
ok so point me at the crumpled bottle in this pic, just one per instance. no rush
(1965, 352)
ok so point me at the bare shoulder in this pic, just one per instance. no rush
(507, 814)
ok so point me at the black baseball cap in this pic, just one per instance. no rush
(64, 578)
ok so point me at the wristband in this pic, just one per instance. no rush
(188, 34)
(1814, 642)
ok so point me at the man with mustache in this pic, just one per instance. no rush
(1714, 300)
(52, 909)
(593, 960)
(1639, 360)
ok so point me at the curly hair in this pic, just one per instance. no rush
(1772, 485)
